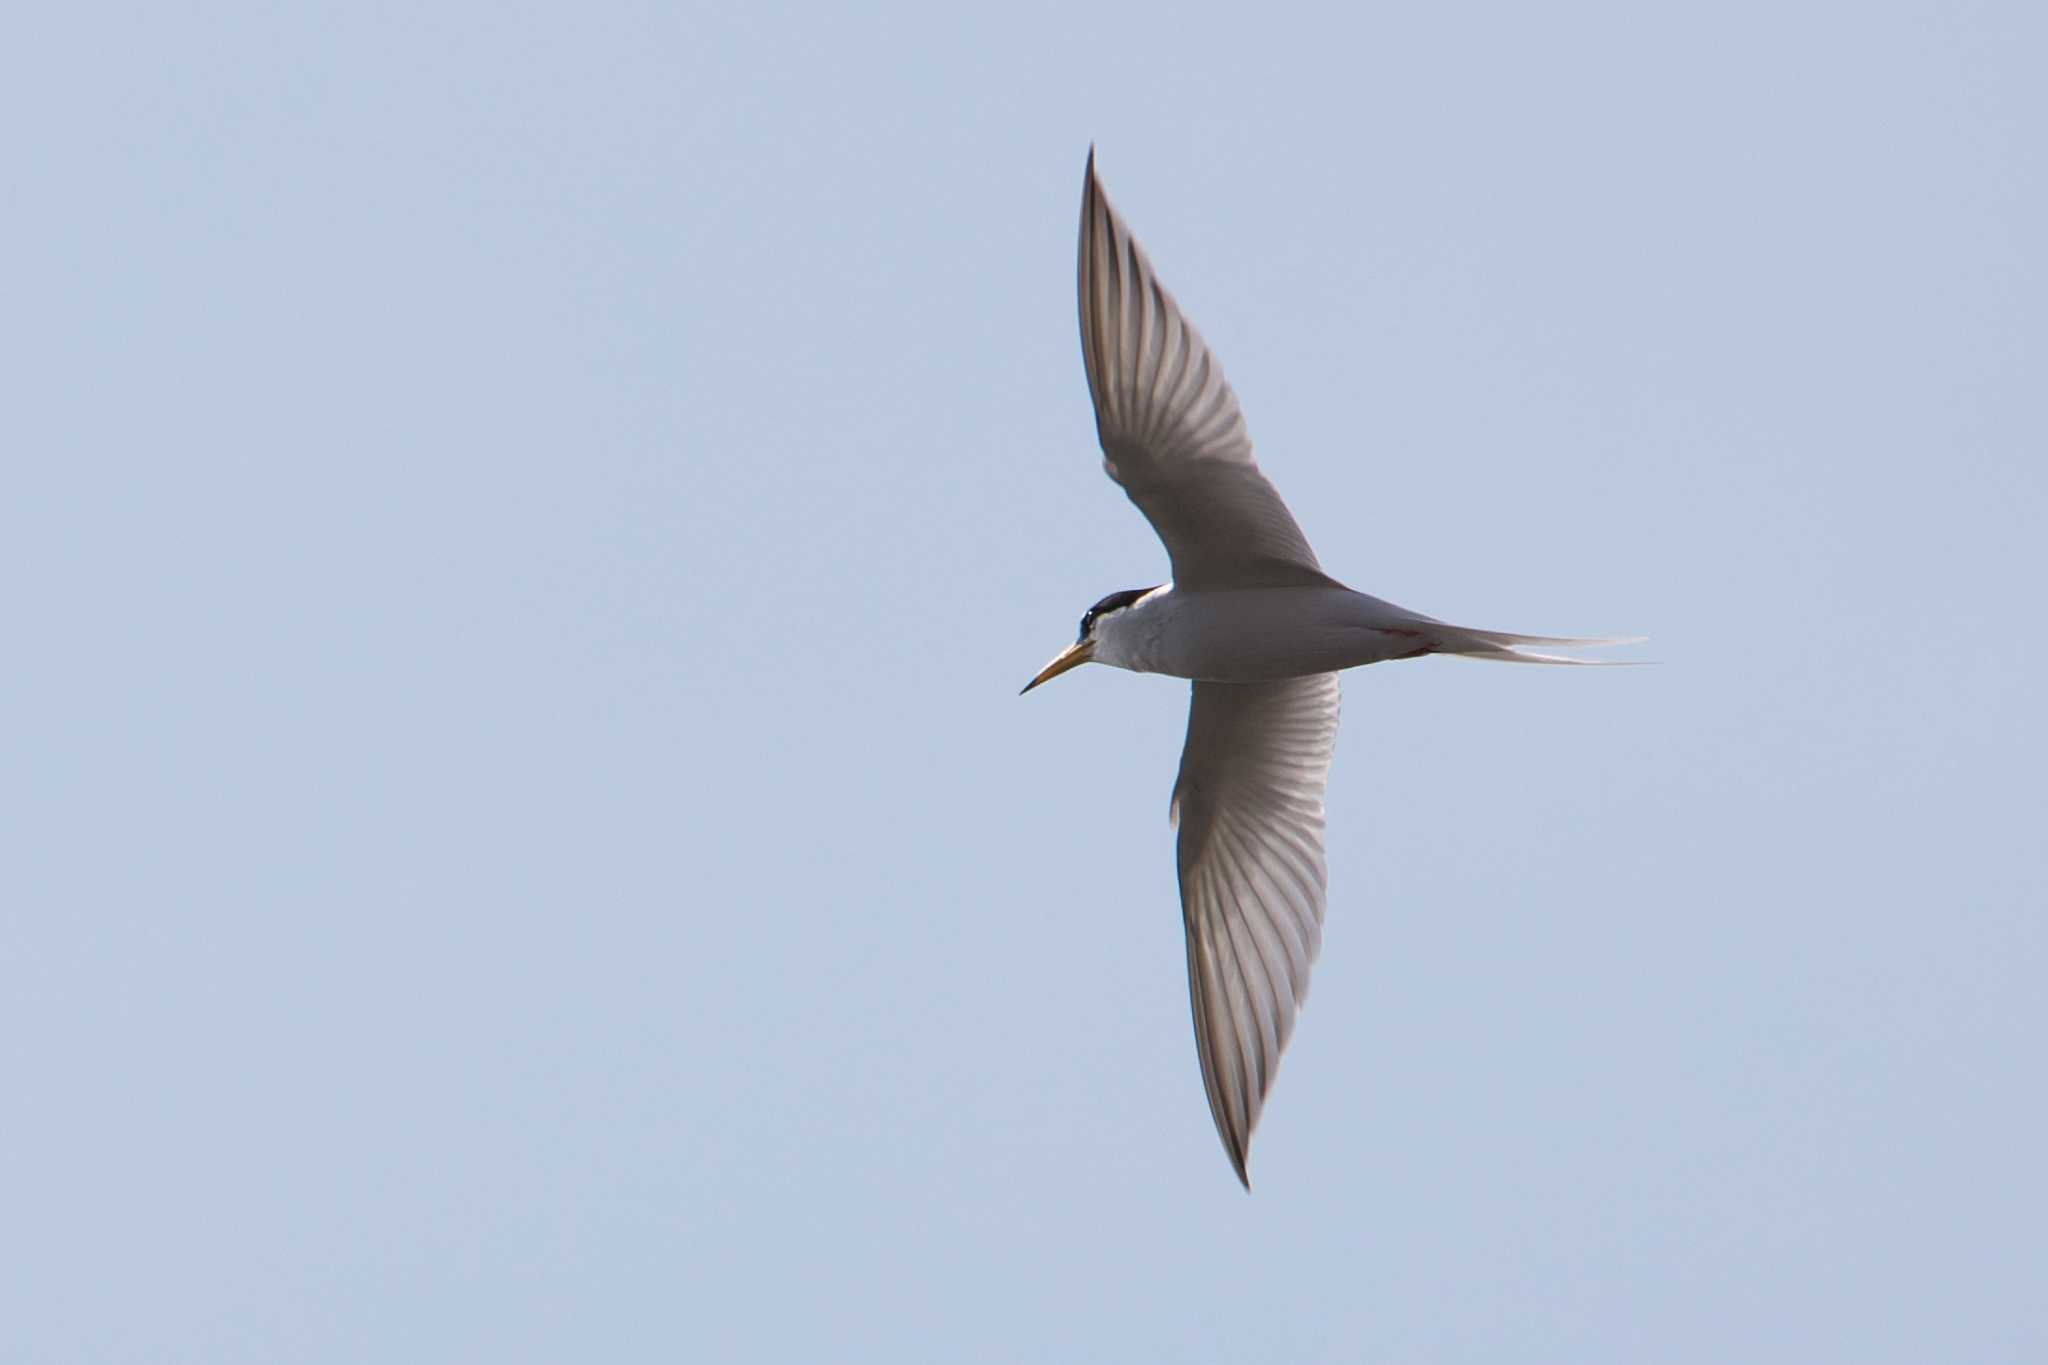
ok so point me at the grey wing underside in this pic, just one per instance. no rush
(1172, 434)
(1249, 804)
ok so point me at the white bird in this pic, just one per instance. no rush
(1253, 620)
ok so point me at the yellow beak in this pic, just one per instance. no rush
(1073, 656)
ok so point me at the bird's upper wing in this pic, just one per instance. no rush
(1249, 803)
(1170, 427)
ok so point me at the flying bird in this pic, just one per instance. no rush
(1261, 631)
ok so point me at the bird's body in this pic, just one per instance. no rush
(1250, 635)
(1251, 618)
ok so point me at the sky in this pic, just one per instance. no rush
(524, 527)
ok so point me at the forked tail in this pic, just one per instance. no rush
(1506, 647)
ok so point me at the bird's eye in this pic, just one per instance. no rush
(1086, 621)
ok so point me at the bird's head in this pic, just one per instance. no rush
(1098, 633)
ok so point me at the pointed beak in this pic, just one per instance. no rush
(1073, 656)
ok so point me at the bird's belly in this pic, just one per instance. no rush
(1251, 659)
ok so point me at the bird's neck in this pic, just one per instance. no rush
(1133, 638)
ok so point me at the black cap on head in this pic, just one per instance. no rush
(1116, 601)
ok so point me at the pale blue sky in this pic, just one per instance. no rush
(524, 527)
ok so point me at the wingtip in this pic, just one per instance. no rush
(1240, 1163)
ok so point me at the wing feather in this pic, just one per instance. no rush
(1249, 803)
(1172, 433)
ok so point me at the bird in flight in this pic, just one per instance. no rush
(1251, 618)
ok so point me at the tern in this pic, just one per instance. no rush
(1252, 620)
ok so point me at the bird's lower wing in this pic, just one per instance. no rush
(1249, 804)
